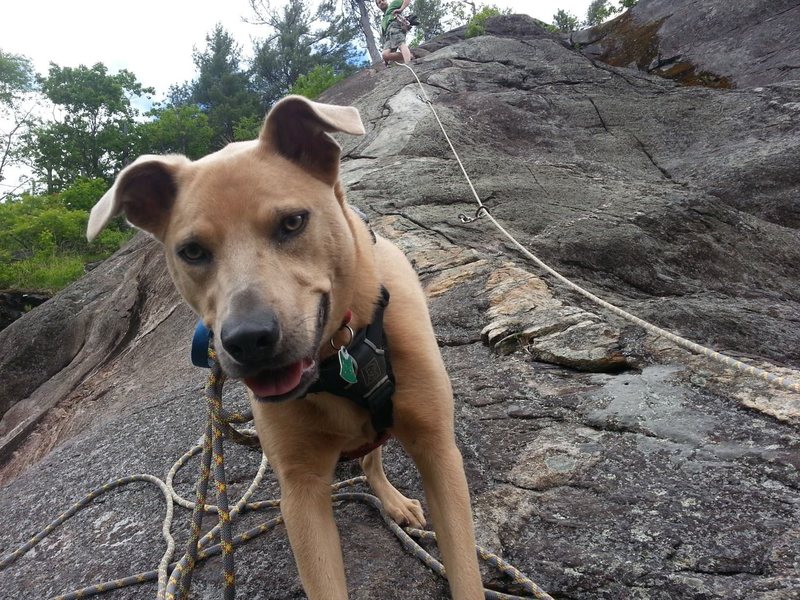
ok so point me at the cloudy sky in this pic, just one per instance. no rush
(154, 38)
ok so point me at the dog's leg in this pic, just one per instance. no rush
(424, 421)
(404, 511)
(441, 466)
(307, 511)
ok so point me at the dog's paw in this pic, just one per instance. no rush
(405, 511)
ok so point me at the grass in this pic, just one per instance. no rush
(42, 273)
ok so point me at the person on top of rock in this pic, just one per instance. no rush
(393, 36)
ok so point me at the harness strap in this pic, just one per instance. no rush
(374, 385)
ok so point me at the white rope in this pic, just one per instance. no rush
(212, 508)
(784, 382)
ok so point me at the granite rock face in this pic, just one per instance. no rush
(603, 462)
(713, 42)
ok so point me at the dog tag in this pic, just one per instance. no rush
(347, 366)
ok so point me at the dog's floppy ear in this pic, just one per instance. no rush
(298, 128)
(144, 190)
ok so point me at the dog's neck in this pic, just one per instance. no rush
(367, 288)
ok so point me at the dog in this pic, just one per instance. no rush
(261, 243)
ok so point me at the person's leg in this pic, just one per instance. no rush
(395, 47)
(392, 56)
(405, 53)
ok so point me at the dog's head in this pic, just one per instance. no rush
(256, 239)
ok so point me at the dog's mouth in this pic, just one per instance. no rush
(284, 383)
(291, 380)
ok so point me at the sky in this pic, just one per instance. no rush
(154, 39)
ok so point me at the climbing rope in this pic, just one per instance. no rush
(160, 573)
(174, 579)
(785, 382)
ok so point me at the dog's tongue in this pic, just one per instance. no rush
(276, 382)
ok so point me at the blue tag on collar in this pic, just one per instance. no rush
(202, 336)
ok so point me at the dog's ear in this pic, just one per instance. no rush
(144, 190)
(298, 128)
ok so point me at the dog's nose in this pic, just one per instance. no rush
(252, 339)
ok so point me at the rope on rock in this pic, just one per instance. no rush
(785, 382)
(174, 579)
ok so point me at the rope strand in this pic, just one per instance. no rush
(785, 382)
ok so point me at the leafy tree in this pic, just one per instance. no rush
(477, 24)
(297, 43)
(222, 90)
(628, 3)
(599, 11)
(16, 76)
(462, 10)
(431, 15)
(176, 129)
(247, 128)
(24, 220)
(82, 194)
(565, 21)
(17, 81)
(91, 135)
(179, 94)
(317, 81)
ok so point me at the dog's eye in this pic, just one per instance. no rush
(293, 224)
(194, 253)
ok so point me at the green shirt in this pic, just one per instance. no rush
(388, 16)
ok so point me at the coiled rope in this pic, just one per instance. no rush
(174, 579)
(785, 382)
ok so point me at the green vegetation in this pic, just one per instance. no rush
(477, 24)
(598, 12)
(316, 82)
(565, 21)
(43, 238)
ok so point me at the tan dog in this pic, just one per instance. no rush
(261, 243)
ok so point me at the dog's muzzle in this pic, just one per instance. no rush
(257, 353)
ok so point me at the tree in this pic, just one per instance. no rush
(462, 10)
(92, 134)
(222, 90)
(565, 21)
(43, 238)
(431, 15)
(366, 16)
(176, 129)
(297, 43)
(477, 24)
(17, 82)
(83, 194)
(317, 81)
(599, 11)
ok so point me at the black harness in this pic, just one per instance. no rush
(374, 384)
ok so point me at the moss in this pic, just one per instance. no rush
(686, 74)
(625, 42)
